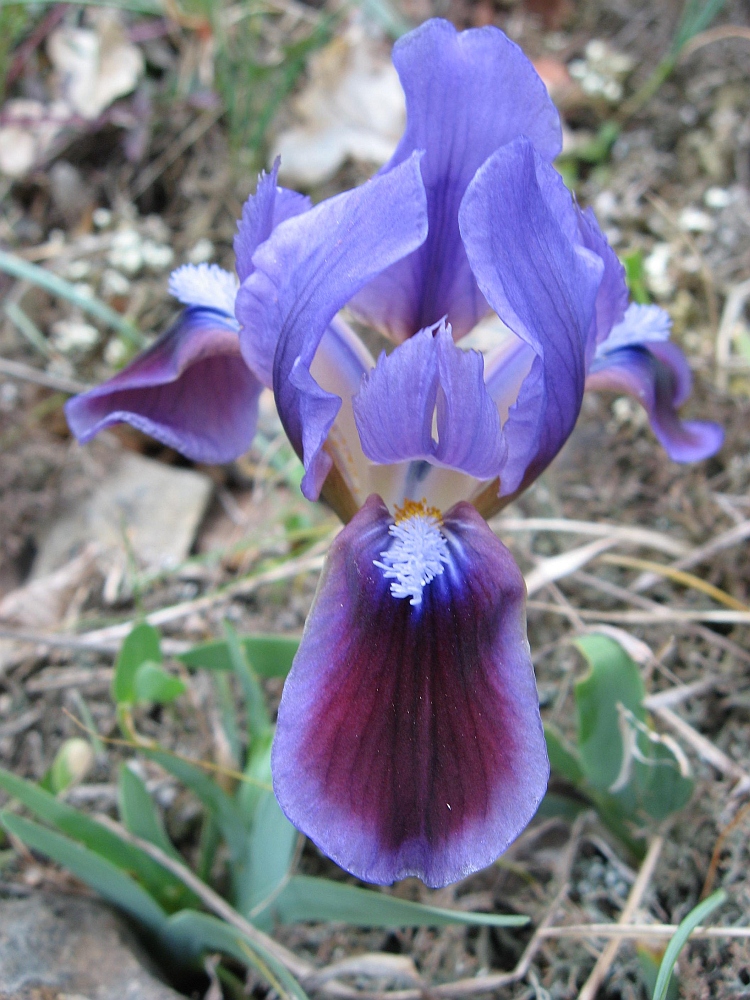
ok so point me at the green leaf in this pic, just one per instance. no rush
(270, 847)
(139, 814)
(613, 679)
(199, 932)
(270, 655)
(307, 898)
(649, 960)
(662, 788)
(696, 916)
(165, 887)
(622, 758)
(233, 828)
(563, 759)
(142, 645)
(258, 720)
(153, 683)
(101, 875)
(635, 276)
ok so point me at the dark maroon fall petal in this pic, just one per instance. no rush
(409, 740)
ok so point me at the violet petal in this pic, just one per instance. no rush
(305, 273)
(191, 390)
(516, 221)
(424, 378)
(467, 94)
(409, 740)
(657, 375)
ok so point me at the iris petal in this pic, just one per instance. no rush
(409, 740)
(467, 94)
(261, 213)
(190, 390)
(428, 379)
(657, 375)
(518, 224)
(305, 273)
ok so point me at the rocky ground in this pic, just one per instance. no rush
(91, 536)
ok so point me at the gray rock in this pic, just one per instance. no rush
(55, 947)
(142, 505)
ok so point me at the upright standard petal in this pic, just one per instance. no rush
(190, 390)
(409, 740)
(310, 267)
(658, 376)
(261, 213)
(612, 297)
(519, 226)
(467, 94)
(428, 380)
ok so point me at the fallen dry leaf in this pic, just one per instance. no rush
(352, 108)
(94, 65)
(43, 603)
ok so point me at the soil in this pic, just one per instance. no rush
(686, 150)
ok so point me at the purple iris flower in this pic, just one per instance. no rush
(409, 740)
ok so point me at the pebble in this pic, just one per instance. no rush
(54, 945)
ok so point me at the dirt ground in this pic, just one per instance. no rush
(675, 186)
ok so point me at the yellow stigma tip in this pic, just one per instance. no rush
(416, 508)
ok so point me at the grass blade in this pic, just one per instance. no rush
(55, 285)
(160, 883)
(696, 916)
(102, 876)
(308, 898)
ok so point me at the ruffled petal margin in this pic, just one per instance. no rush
(409, 740)
(308, 270)
(427, 380)
(191, 390)
(467, 94)
(658, 376)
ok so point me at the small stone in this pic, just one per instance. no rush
(56, 945)
(157, 256)
(718, 198)
(102, 218)
(693, 220)
(113, 284)
(125, 253)
(150, 508)
(202, 252)
(74, 336)
(77, 270)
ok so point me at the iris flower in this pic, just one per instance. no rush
(409, 740)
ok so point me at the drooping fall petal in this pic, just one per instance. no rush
(191, 390)
(657, 375)
(409, 740)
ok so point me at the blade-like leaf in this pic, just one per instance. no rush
(270, 655)
(139, 814)
(563, 760)
(105, 878)
(199, 932)
(160, 883)
(683, 932)
(153, 683)
(142, 645)
(307, 898)
(230, 820)
(258, 720)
